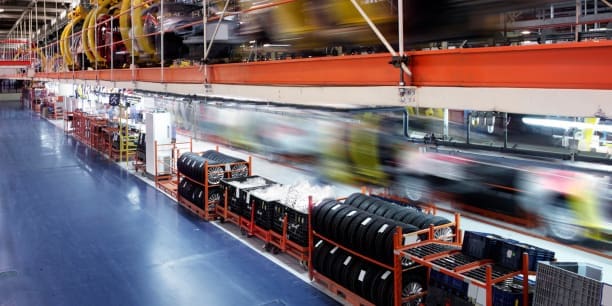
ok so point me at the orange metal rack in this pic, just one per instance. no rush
(427, 260)
(211, 210)
(169, 184)
(397, 268)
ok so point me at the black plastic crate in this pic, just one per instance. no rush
(481, 245)
(297, 226)
(511, 255)
(264, 212)
(277, 217)
(238, 197)
(246, 198)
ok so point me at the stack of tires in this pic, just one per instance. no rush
(402, 214)
(239, 167)
(370, 281)
(194, 193)
(367, 225)
(192, 165)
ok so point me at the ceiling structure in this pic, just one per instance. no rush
(14, 13)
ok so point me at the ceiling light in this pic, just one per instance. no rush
(525, 32)
(1, 10)
(562, 124)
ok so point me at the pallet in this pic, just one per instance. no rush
(195, 209)
(168, 186)
(342, 294)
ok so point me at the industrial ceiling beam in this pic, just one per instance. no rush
(17, 16)
(13, 8)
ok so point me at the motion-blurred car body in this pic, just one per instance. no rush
(570, 205)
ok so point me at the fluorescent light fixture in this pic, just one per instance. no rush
(525, 32)
(1, 10)
(276, 45)
(562, 124)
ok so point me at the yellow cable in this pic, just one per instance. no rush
(124, 25)
(86, 46)
(64, 40)
(91, 31)
(137, 25)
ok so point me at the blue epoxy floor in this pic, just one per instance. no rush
(75, 229)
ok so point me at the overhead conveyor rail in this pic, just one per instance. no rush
(568, 66)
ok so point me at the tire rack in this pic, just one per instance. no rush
(277, 242)
(398, 249)
(206, 213)
(427, 252)
(169, 184)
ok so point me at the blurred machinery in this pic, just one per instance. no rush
(273, 29)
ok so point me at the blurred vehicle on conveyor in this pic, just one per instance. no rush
(570, 205)
(367, 147)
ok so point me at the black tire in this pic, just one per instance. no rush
(330, 218)
(331, 257)
(382, 210)
(359, 198)
(352, 229)
(336, 266)
(334, 231)
(316, 254)
(384, 243)
(353, 275)
(343, 235)
(318, 212)
(392, 211)
(363, 245)
(402, 214)
(324, 251)
(347, 265)
(376, 204)
(420, 219)
(374, 294)
(350, 199)
(410, 217)
(385, 289)
(322, 217)
(367, 203)
(354, 283)
(424, 222)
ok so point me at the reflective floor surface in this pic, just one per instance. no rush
(76, 229)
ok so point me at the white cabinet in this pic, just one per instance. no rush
(159, 129)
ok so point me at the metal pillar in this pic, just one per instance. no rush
(506, 130)
(162, 30)
(446, 124)
(379, 35)
(469, 127)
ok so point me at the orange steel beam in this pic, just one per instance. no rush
(14, 63)
(571, 65)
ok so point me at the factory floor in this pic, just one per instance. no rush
(76, 229)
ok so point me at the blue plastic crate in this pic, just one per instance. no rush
(459, 287)
(481, 245)
(512, 250)
(505, 297)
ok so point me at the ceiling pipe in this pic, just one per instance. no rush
(29, 8)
